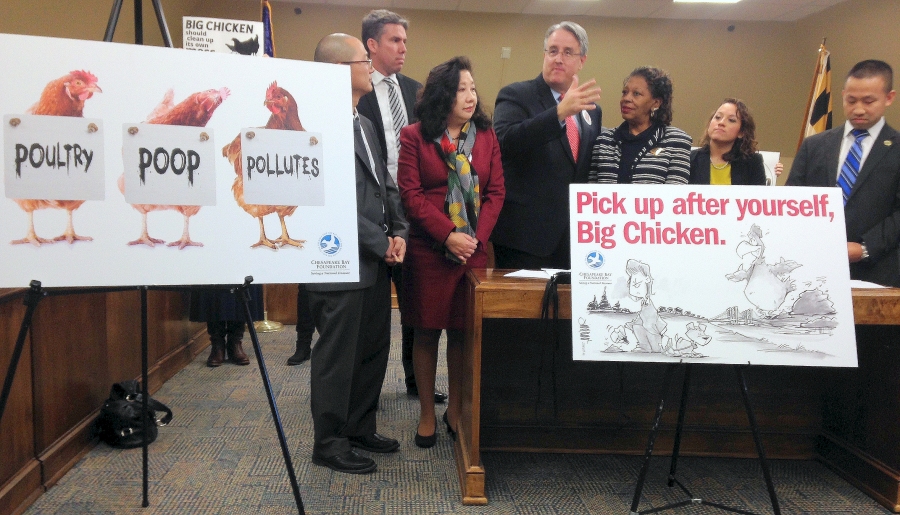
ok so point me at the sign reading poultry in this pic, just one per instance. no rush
(177, 193)
(53, 157)
(711, 275)
(283, 167)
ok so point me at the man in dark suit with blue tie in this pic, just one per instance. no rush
(350, 358)
(546, 127)
(862, 157)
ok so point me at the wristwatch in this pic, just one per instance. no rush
(865, 252)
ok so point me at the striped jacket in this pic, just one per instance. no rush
(664, 160)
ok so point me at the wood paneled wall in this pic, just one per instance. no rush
(78, 346)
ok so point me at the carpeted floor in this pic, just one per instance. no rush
(220, 455)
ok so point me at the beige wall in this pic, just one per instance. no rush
(769, 65)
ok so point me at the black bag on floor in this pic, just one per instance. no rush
(119, 423)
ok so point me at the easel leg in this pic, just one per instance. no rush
(145, 394)
(757, 439)
(32, 298)
(642, 476)
(113, 21)
(681, 409)
(244, 297)
(161, 20)
(138, 22)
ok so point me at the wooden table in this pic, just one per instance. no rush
(622, 426)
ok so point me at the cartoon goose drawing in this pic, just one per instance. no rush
(767, 285)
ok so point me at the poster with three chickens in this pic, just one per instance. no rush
(710, 274)
(132, 165)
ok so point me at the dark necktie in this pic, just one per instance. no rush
(850, 168)
(399, 121)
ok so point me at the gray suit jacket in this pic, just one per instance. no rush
(370, 197)
(873, 209)
(368, 107)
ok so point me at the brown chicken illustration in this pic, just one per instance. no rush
(64, 96)
(194, 111)
(284, 117)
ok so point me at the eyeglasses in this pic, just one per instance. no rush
(368, 62)
(567, 54)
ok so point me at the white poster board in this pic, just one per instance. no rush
(710, 274)
(165, 125)
(218, 35)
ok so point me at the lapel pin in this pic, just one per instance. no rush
(888, 142)
(586, 117)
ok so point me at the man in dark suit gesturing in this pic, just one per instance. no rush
(354, 319)
(391, 106)
(862, 157)
(546, 127)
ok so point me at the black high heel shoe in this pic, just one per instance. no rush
(426, 441)
(450, 430)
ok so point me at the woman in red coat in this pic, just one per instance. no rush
(451, 184)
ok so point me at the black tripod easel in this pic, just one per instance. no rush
(672, 480)
(36, 292)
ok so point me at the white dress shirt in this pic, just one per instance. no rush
(867, 143)
(384, 105)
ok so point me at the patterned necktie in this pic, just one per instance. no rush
(572, 133)
(574, 137)
(396, 108)
(850, 168)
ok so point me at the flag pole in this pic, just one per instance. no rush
(812, 91)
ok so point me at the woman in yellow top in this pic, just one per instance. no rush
(727, 153)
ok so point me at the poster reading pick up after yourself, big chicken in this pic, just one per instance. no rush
(710, 274)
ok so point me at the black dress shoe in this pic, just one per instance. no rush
(426, 441)
(299, 357)
(374, 443)
(348, 462)
(439, 397)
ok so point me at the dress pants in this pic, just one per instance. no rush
(348, 362)
(508, 257)
(305, 325)
(406, 331)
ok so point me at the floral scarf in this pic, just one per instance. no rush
(463, 201)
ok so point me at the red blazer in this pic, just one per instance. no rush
(422, 179)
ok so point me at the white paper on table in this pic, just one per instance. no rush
(544, 273)
(856, 283)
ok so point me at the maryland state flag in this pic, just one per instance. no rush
(818, 109)
(268, 35)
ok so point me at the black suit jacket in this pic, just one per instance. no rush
(373, 241)
(873, 209)
(368, 107)
(743, 171)
(537, 166)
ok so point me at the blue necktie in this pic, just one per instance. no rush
(850, 168)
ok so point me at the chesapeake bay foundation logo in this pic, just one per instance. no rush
(594, 259)
(330, 244)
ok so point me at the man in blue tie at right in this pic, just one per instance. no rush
(862, 157)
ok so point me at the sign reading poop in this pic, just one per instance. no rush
(710, 274)
(192, 168)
